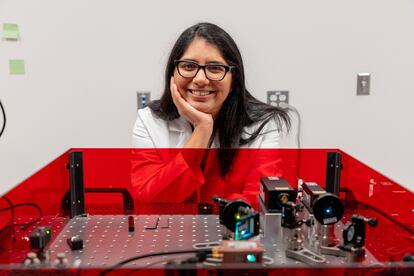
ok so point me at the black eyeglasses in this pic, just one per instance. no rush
(214, 72)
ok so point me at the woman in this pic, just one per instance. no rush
(205, 105)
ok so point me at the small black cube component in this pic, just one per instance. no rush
(131, 224)
(40, 237)
(75, 243)
(205, 208)
(275, 191)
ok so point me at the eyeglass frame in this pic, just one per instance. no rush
(227, 68)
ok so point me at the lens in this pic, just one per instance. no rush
(350, 233)
(251, 258)
(215, 72)
(328, 209)
(232, 213)
(187, 69)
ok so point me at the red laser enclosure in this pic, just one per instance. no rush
(326, 213)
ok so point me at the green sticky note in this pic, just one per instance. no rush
(11, 31)
(16, 66)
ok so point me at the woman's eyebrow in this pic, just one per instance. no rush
(209, 62)
(189, 59)
(217, 62)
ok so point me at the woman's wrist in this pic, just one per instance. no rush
(200, 137)
(205, 128)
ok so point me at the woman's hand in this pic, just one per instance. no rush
(202, 122)
(191, 114)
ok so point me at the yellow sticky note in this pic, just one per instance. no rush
(16, 66)
(10, 31)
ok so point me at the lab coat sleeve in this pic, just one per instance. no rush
(163, 175)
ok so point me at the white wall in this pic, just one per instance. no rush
(85, 60)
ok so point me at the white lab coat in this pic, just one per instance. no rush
(151, 131)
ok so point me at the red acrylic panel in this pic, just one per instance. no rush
(378, 196)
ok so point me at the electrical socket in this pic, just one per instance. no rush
(143, 98)
(279, 98)
(363, 83)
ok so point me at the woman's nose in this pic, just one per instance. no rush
(200, 78)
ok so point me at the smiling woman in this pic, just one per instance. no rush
(205, 105)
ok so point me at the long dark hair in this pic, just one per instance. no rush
(240, 109)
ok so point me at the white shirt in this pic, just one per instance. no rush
(150, 131)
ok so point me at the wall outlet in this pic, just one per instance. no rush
(143, 98)
(363, 83)
(278, 98)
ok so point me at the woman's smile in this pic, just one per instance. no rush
(200, 92)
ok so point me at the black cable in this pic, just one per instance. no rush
(12, 220)
(11, 207)
(4, 118)
(106, 271)
(134, 270)
(12, 214)
(23, 225)
(201, 256)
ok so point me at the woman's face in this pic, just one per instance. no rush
(203, 94)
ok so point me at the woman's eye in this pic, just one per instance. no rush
(188, 66)
(215, 68)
